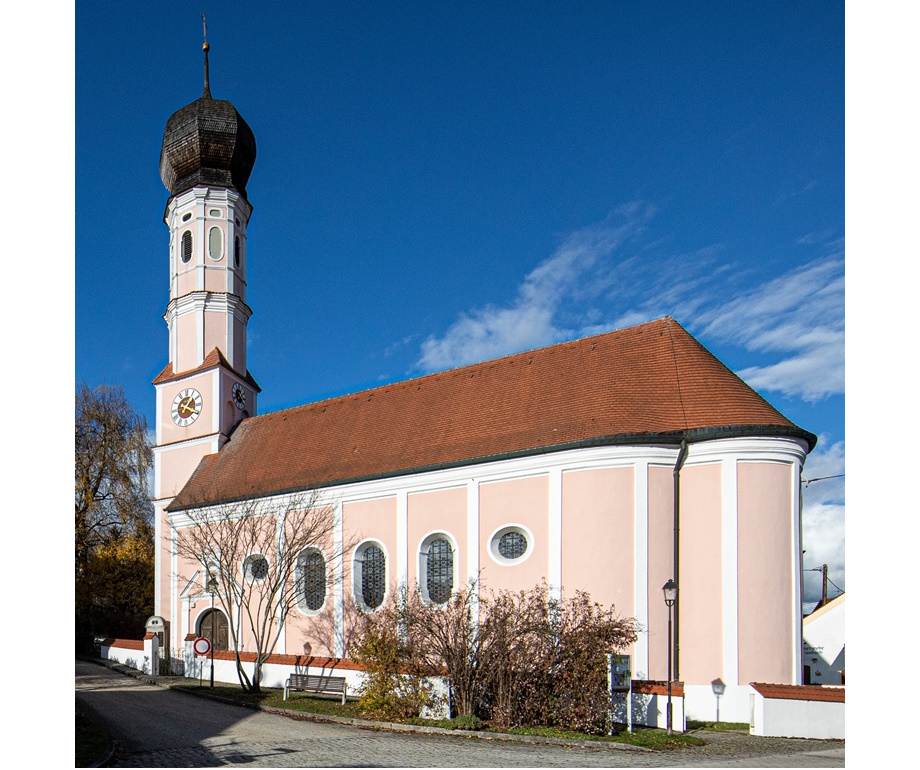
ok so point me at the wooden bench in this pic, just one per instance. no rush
(317, 684)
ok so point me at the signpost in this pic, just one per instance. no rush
(202, 647)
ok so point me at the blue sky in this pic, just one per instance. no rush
(440, 183)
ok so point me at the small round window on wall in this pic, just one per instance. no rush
(255, 568)
(511, 544)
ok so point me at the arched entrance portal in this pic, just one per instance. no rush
(218, 633)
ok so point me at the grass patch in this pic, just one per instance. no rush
(91, 741)
(719, 727)
(274, 698)
(644, 737)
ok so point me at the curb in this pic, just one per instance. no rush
(369, 724)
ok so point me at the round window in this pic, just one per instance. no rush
(256, 567)
(511, 544)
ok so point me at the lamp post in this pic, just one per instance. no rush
(670, 596)
(212, 589)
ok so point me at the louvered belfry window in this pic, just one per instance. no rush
(313, 579)
(373, 576)
(440, 571)
(187, 246)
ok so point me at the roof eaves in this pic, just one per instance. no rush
(671, 438)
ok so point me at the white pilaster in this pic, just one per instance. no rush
(554, 534)
(730, 569)
(640, 555)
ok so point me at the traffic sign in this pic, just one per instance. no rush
(201, 646)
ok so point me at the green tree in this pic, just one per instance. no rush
(113, 516)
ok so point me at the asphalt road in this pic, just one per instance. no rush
(158, 727)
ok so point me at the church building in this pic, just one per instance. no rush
(609, 464)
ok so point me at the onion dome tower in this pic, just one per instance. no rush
(207, 142)
(206, 389)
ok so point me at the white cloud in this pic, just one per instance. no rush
(603, 277)
(799, 315)
(824, 519)
(536, 316)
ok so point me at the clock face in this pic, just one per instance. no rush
(239, 396)
(186, 407)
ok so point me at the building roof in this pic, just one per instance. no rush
(648, 384)
(212, 360)
(824, 609)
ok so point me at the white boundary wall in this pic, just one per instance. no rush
(793, 718)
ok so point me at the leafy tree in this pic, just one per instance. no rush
(113, 516)
(250, 554)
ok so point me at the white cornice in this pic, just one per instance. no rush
(205, 301)
(784, 450)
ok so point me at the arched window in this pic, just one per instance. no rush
(187, 246)
(311, 580)
(236, 251)
(437, 568)
(370, 575)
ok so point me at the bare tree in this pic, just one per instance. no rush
(255, 558)
(517, 658)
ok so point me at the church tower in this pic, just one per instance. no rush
(206, 389)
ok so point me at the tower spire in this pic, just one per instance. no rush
(206, 48)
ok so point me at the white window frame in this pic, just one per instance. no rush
(422, 552)
(496, 536)
(299, 577)
(357, 572)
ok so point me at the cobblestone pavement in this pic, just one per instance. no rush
(156, 727)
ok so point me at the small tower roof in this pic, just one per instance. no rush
(207, 142)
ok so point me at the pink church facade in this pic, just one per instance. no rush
(609, 464)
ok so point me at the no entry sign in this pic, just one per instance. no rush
(201, 646)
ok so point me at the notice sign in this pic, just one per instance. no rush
(620, 673)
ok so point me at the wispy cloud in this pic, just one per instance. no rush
(606, 277)
(537, 316)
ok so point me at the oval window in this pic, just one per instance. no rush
(215, 213)
(186, 216)
(215, 243)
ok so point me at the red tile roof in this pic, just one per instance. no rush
(800, 692)
(211, 361)
(652, 383)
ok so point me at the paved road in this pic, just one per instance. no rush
(158, 727)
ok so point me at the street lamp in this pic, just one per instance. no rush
(212, 589)
(670, 596)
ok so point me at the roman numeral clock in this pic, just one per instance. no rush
(186, 407)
